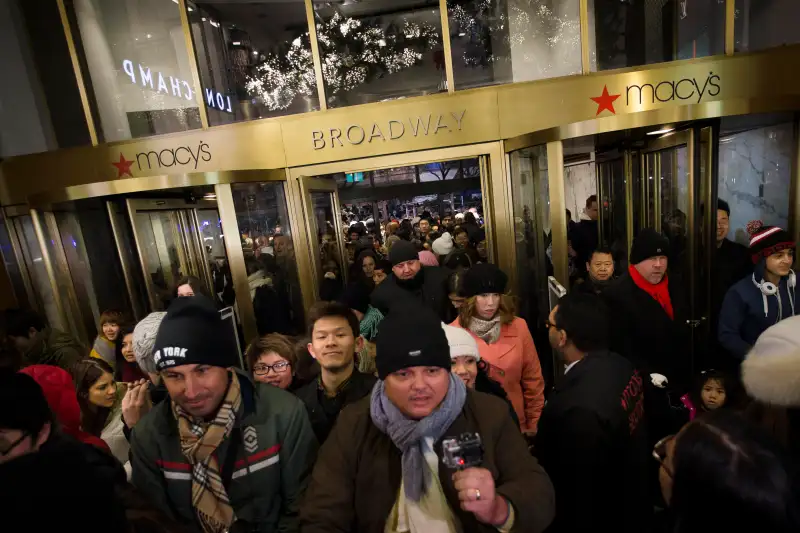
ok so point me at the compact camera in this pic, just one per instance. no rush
(463, 451)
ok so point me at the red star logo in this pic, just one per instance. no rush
(123, 166)
(605, 101)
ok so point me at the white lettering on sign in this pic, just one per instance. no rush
(177, 87)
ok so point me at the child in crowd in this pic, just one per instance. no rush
(712, 391)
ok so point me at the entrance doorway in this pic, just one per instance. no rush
(362, 200)
(175, 239)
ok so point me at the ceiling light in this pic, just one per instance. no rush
(661, 131)
(210, 196)
(236, 43)
(149, 36)
(462, 34)
(190, 9)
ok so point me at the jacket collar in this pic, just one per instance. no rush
(581, 367)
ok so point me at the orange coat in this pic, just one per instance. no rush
(516, 367)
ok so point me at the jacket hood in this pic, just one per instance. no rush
(771, 372)
(59, 390)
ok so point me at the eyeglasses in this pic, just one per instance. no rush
(10, 448)
(660, 453)
(279, 368)
(549, 325)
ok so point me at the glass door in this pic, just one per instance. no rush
(324, 226)
(676, 185)
(174, 239)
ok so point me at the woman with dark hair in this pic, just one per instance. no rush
(504, 341)
(100, 400)
(127, 370)
(189, 286)
(722, 474)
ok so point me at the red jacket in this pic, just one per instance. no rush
(59, 390)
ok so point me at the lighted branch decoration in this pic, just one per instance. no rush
(353, 53)
(484, 21)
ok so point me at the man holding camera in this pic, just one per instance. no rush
(423, 453)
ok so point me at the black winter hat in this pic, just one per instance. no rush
(648, 243)
(401, 252)
(484, 278)
(22, 403)
(193, 333)
(412, 336)
(767, 240)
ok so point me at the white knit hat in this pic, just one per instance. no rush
(144, 338)
(443, 245)
(461, 342)
(771, 371)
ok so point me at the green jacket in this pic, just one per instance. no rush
(274, 455)
(54, 347)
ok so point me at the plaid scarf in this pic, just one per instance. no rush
(199, 442)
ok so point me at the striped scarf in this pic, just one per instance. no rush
(199, 442)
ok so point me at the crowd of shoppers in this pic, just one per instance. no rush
(415, 401)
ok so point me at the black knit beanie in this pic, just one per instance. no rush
(412, 336)
(23, 405)
(401, 252)
(767, 240)
(193, 333)
(648, 243)
(484, 278)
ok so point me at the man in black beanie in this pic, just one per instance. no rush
(650, 323)
(412, 283)
(224, 450)
(386, 466)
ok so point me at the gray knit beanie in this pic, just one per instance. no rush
(144, 338)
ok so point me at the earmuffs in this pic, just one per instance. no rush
(770, 289)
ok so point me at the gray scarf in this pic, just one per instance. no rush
(408, 434)
(488, 330)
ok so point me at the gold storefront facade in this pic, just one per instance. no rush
(506, 128)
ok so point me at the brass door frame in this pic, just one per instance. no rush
(495, 189)
(178, 212)
(309, 185)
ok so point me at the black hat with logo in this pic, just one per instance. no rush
(410, 336)
(193, 333)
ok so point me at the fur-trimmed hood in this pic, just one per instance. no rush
(771, 372)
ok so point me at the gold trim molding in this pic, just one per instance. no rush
(521, 114)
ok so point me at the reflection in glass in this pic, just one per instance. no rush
(640, 32)
(34, 262)
(530, 197)
(269, 254)
(761, 24)
(330, 260)
(138, 67)
(755, 175)
(157, 237)
(254, 59)
(375, 50)
(12, 267)
(505, 41)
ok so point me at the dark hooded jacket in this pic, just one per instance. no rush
(743, 319)
(429, 288)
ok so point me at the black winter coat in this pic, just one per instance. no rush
(593, 443)
(430, 291)
(642, 331)
(323, 413)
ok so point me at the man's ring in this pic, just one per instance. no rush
(477, 494)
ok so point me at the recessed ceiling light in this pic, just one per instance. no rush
(661, 131)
